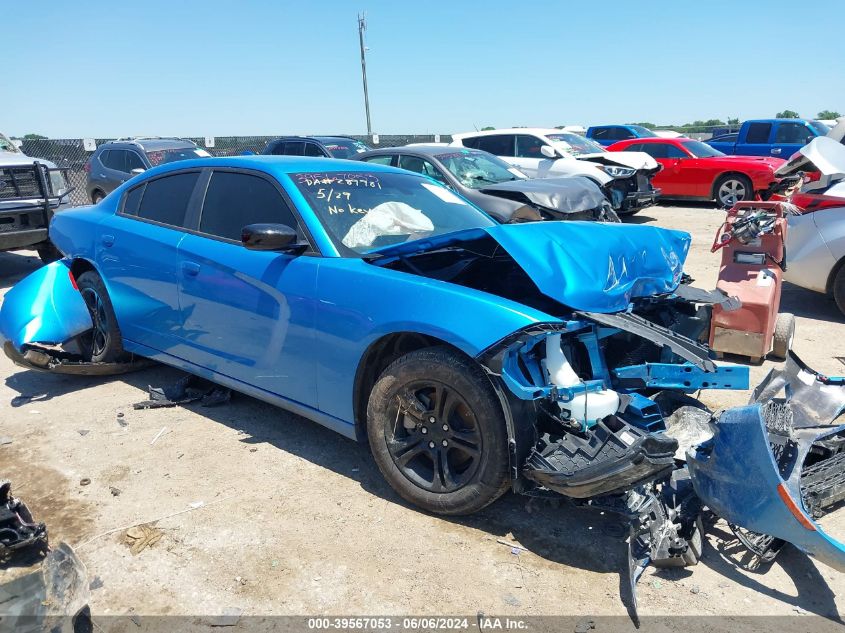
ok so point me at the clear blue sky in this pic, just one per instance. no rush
(212, 67)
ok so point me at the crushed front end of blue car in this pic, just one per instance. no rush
(598, 397)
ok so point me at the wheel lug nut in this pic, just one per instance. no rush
(431, 419)
(424, 430)
(431, 444)
(445, 443)
(445, 427)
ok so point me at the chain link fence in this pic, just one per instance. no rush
(71, 152)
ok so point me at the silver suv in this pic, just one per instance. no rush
(115, 162)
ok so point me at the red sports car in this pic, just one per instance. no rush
(692, 169)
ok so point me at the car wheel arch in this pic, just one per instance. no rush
(724, 174)
(80, 265)
(834, 272)
(376, 358)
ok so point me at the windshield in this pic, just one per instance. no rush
(476, 169)
(575, 145)
(701, 150)
(365, 211)
(343, 148)
(819, 127)
(163, 156)
(7, 146)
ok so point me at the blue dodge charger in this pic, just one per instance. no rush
(472, 356)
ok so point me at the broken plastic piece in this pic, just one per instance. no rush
(187, 389)
(18, 530)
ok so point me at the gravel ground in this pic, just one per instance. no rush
(297, 520)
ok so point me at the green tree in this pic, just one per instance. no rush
(733, 121)
(33, 137)
(787, 114)
(828, 114)
(489, 127)
(644, 124)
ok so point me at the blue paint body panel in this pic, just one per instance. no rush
(44, 307)
(738, 479)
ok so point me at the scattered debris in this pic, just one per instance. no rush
(656, 584)
(584, 625)
(502, 541)
(114, 491)
(197, 504)
(84, 481)
(511, 600)
(158, 435)
(140, 537)
(45, 599)
(187, 389)
(5, 440)
(229, 617)
(83, 432)
(95, 584)
(121, 420)
(18, 530)
(695, 589)
(253, 449)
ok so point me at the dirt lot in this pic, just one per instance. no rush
(297, 520)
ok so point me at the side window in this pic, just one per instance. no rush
(165, 200)
(421, 166)
(602, 133)
(793, 133)
(636, 147)
(381, 159)
(133, 161)
(472, 143)
(673, 151)
(622, 133)
(294, 148)
(312, 149)
(528, 146)
(758, 132)
(660, 150)
(234, 200)
(278, 149)
(115, 159)
(132, 201)
(498, 144)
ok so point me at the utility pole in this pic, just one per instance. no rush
(362, 26)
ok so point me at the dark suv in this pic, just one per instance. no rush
(325, 146)
(115, 162)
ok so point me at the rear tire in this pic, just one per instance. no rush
(104, 343)
(839, 289)
(437, 432)
(732, 188)
(97, 196)
(784, 335)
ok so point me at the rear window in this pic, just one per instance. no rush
(163, 156)
(344, 148)
(758, 133)
(165, 200)
(498, 144)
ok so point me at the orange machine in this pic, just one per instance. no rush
(753, 260)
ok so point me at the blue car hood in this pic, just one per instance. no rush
(588, 266)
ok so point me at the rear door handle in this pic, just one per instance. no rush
(107, 240)
(776, 150)
(191, 269)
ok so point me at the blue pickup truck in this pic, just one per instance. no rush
(780, 138)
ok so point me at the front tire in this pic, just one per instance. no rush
(103, 344)
(732, 188)
(437, 432)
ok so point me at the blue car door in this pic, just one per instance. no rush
(248, 315)
(755, 140)
(790, 137)
(136, 254)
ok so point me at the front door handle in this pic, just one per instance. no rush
(107, 240)
(191, 269)
(776, 150)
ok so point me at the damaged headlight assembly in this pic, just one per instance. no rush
(618, 171)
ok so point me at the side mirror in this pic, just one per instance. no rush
(137, 170)
(272, 237)
(548, 151)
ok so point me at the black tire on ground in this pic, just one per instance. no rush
(97, 196)
(732, 188)
(839, 289)
(49, 253)
(437, 432)
(103, 344)
(784, 335)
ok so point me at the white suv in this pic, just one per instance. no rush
(546, 153)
